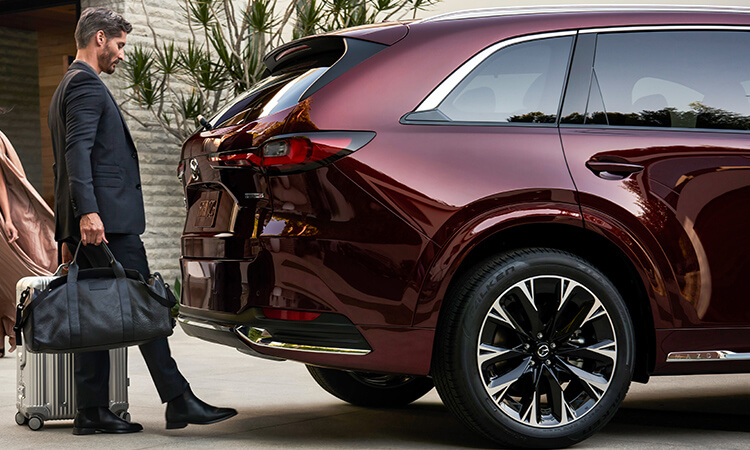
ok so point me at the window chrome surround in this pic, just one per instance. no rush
(439, 94)
(551, 9)
(707, 355)
(666, 28)
(262, 338)
(433, 100)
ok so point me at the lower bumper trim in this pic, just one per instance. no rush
(219, 334)
(709, 355)
(262, 338)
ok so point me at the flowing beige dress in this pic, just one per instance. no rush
(34, 253)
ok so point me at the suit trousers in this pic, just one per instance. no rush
(92, 368)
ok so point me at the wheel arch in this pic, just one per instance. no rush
(564, 233)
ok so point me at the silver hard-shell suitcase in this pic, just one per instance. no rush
(46, 390)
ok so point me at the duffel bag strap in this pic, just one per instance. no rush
(73, 318)
(20, 319)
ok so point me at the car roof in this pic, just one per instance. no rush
(558, 9)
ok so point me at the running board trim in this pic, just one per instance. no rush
(262, 338)
(710, 355)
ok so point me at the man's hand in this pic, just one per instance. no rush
(92, 229)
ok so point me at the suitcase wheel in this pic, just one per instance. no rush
(21, 419)
(124, 415)
(36, 423)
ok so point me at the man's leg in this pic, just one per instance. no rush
(91, 374)
(91, 368)
(92, 379)
(183, 407)
(129, 251)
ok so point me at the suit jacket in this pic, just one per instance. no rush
(96, 164)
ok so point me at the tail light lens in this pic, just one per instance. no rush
(295, 152)
(181, 171)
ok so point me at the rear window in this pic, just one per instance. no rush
(268, 96)
(520, 83)
(294, 72)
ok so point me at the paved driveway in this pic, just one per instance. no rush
(280, 406)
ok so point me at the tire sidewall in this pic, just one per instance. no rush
(477, 304)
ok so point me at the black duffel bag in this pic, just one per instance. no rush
(95, 309)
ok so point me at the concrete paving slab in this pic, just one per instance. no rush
(280, 406)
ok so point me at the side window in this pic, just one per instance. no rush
(519, 83)
(676, 79)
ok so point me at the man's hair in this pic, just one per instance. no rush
(94, 19)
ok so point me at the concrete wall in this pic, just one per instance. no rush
(19, 78)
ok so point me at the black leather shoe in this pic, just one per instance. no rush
(91, 420)
(187, 408)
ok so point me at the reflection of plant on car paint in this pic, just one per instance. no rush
(224, 56)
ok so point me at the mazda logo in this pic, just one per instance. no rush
(195, 173)
(543, 351)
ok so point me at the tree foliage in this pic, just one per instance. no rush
(224, 55)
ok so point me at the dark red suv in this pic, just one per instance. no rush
(530, 207)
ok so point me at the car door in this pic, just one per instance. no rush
(655, 130)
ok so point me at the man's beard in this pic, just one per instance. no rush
(108, 61)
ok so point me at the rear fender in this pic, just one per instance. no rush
(650, 265)
(644, 253)
(470, 236)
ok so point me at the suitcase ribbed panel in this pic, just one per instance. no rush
(58, 371)
(46, 387)
(118, 380)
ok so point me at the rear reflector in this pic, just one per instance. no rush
(288, 314)
(295, 153)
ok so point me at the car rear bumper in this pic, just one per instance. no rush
(330, 341)
(328, 333)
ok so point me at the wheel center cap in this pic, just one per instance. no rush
(543, 351)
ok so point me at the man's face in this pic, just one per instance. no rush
(112, 53)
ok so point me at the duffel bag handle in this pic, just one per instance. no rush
(113, 262)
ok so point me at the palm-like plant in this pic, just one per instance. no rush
(224, 55)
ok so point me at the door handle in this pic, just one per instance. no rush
(610, 170)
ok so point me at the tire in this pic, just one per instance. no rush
(21, 419)
(371, 389)
(36, 423)
(535, 348)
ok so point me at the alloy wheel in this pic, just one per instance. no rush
(547, 351)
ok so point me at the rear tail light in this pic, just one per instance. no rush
(295, 153)
(288, 314)
(181, 171)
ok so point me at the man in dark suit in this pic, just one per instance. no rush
(98, 189)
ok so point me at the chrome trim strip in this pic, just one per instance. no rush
(665, 28)
(551, 9)
(233, 218)
(262, 338)
(204, 325)
(709, 355)
(446, 86)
